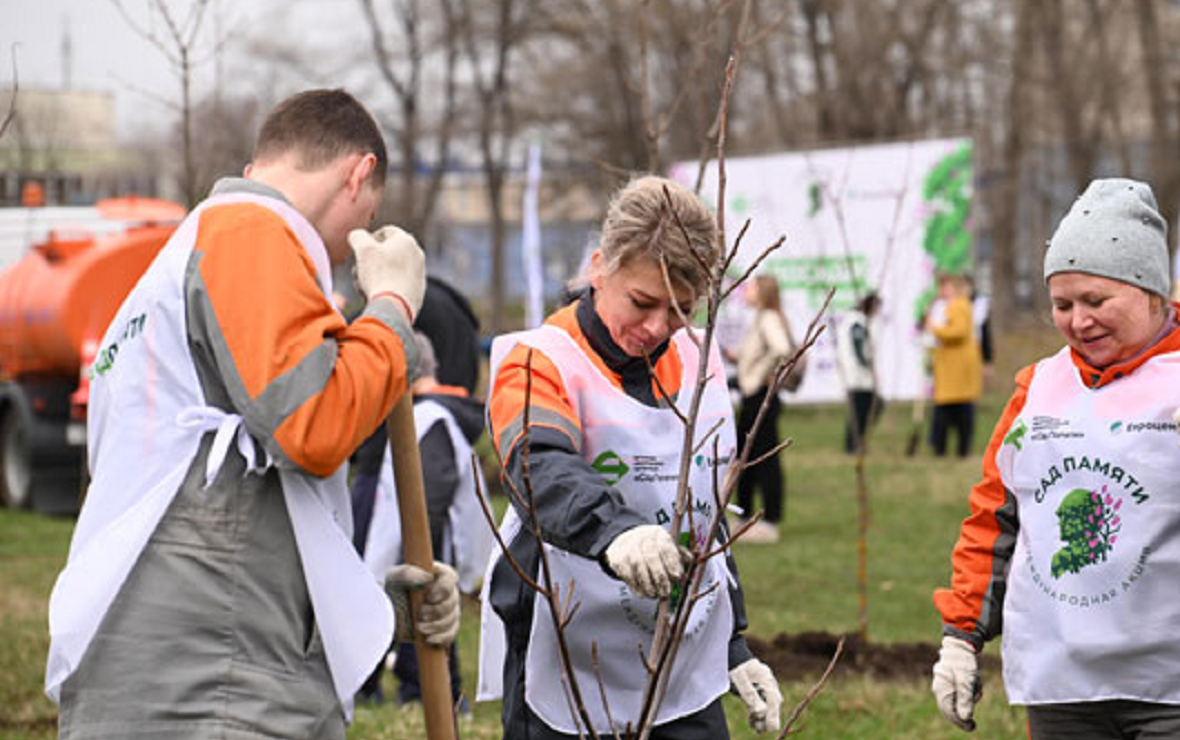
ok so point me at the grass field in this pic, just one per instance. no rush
(805, 582)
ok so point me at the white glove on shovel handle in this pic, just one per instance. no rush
(390, 261)
(439, 617)
(754, 682)
(956, 683)
(646, 559)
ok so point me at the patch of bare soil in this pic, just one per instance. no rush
(806, 655)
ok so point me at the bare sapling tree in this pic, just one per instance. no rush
(832, 196)
(713, 540)
(672, 620)
(181, 44)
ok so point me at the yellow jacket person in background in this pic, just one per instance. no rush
(957, 364)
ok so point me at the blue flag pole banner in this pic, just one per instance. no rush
(881, 217)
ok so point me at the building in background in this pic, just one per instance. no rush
(63, 143)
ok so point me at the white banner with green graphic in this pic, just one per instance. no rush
(881, 217)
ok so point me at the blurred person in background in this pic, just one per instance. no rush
(854, 363)
(766, 342)
(956, 365)
(1071, 547)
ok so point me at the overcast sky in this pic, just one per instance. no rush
(107, 55)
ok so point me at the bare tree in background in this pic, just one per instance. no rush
(1052, 93)
(11, 114)
(180, 40)
(631, 86)
(224, 128)
(410, 75)
(491, 38)
(1162, 79)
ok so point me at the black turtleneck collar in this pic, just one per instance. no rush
(633, 370)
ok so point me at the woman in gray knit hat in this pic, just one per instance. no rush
(1072, 545)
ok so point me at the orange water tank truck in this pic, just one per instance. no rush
(55, 305)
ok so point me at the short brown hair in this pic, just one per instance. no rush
(639, 224)
(319, 126)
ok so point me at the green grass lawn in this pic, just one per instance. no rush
(806, 582)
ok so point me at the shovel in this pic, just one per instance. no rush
(433, 672)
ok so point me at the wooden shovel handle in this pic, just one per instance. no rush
(433, 673)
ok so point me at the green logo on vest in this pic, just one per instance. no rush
(1089, 523)
(611, 466)
(1015, 436)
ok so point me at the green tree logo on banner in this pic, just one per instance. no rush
(947, 193)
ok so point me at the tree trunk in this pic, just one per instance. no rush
(1163, 141)
(1005, 214)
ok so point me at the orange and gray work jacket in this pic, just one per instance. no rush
(1072, 546)
(578, 510)
(227, 358)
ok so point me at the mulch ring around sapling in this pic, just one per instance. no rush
(806, 655)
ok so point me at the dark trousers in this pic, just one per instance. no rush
(957, 416)
(866, 407)
(1118, 719)
(521, 724)
(768, 474)
(405, 670)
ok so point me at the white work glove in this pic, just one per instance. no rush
(647, 559)
(956, 683)
(390, 260)
(439, 618)
(754, 682)
(1176, 418)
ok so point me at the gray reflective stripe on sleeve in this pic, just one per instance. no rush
(283, 395)
(991, 612)
(391, 316)
(538, 417)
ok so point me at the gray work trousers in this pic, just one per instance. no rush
(212, 634)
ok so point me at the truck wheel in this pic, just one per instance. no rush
(15, 466)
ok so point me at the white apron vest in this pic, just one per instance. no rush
(470, 540)
(145, 372)
(638, 449)
(1091, 612)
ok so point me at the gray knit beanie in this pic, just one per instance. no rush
(1114, 230)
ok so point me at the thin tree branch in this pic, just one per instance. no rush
(706, 436)
(602, 689)
(754, 265)
(812, 692)
(11, 114)
(491, 520)
(773, 452)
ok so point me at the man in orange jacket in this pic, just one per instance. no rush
(211, 588)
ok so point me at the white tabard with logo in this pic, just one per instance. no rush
(469, 542)
(1091, 611)
(638, 450)
(139, 468)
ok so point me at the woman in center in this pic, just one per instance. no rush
(603, 453)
